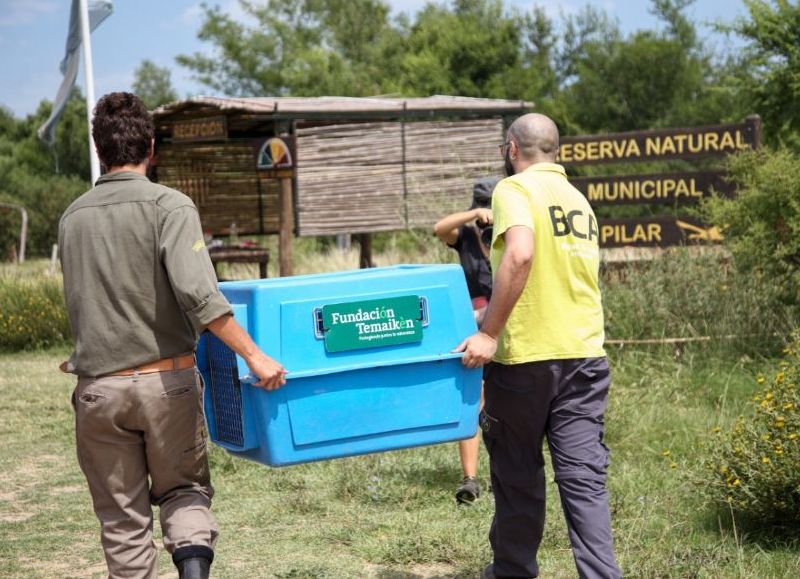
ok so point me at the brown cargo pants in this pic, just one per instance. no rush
(141, 440)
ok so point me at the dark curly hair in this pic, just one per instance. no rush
(122, 129)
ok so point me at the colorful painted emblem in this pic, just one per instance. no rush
(274, 154)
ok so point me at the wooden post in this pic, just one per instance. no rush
(23, 234)
(286, 227)
(54, 259)
(23, 231)
(365, 253)
(756, 120)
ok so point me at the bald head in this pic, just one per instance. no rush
(536, 136)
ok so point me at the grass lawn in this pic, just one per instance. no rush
(393, 515)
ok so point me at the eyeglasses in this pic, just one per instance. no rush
(503, 148)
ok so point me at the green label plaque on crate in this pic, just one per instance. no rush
(372, 323)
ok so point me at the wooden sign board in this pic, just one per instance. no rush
(660, 144)
(208, 129)
(653, 189)
(656, 232)
(275, 173)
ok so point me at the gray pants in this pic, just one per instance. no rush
(564, 400)
(142, 440)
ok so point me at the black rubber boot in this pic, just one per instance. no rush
(468, 491)
(193, 561)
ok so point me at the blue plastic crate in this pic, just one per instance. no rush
(369, 363)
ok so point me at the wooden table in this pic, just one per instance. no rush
(239, 254)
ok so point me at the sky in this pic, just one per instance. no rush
(33, 35)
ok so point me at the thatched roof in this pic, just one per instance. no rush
(342, 107)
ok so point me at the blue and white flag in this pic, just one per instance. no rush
(99, 10)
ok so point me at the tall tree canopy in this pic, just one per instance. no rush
(770, 67)
(298, 47)
(582, 69)
(153, 85)
(646, 80)
(42, 179)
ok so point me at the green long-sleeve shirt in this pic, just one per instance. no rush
(138, 281)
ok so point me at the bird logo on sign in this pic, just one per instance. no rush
(700, 233)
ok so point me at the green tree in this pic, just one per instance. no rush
(762, 223)
(152, 84)
(45, 197)
(770, 85)
(42, 179)
(646, 80)
(317, 47)
(468, 50)
(299, 47)
(69, 155)
(582, 70)
(557, 59)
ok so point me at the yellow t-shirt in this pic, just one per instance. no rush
(559, 314)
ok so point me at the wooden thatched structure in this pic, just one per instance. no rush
(359, 165)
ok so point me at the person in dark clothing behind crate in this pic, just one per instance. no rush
(470, 234)
(139, 287)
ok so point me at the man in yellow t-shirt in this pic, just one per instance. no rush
(548, 376)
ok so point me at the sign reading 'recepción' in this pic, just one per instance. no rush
(372, 323)
(208, 129)
(659, 144)
(662, 189)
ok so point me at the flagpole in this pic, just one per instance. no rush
(89, 73)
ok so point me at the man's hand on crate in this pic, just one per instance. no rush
(271, 375)
(478, 349)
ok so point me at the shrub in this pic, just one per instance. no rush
(756, 466)
(762, 224)
(682, 294)
(32, 313)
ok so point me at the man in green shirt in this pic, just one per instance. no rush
(139, 287)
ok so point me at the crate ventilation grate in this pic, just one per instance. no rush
(226, 392)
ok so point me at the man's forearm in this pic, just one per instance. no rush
(233, 335)
(269, 372)
(512, 274)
